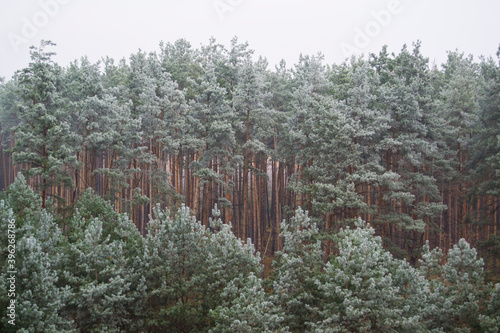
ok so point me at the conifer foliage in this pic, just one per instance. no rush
(196, 190)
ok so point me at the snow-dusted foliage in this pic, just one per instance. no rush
(109, 224)
(185, 268)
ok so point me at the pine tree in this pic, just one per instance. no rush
(162, 108)
(364, 289)
(295, 292)
(180, 61)
(212, 137)
(459, 103)
(280, 101)
(22, 199)
(252, 126)
(348, 128)
(44, 140)
(408, 198)
(458, 293)
(82, 89)
(114, 135)
(490, 321)
(41, 299)
(186, 266)
(100, 263)
(9, 100)
(464, 284)
(248, 310)
(485, 159)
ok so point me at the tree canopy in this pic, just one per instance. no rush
(196, 189)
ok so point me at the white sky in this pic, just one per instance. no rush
(274, 29)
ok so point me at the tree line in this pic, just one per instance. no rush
(195, 190)
(410, 148)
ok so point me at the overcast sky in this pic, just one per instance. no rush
(274, 29)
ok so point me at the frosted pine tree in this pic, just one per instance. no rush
(365, 289)
(180, 61)
(242, 303)
(186, 267)
(162, 108)
(9, 101)
(23, 200)
(484, 143)
(41, 300)
(101, 266)
(44, 139)
(464, 286)
(459, 294)
(229, 258)
(484, 148)
(490, 320)
(294, 289)
(82, 87)
(212, 133)
(407, 197)
(304, 128)
(349, 127)
(253, 126)
(173, 258)
(249, 310)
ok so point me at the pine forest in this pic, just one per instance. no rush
(201, 190)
